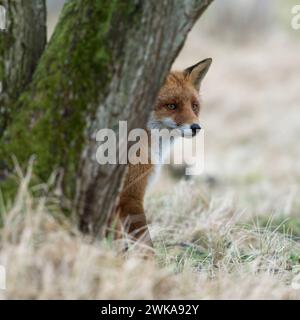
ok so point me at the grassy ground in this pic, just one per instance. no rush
(231, 233)
(206, 246)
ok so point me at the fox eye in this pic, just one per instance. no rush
(171, 106)
(195, 106)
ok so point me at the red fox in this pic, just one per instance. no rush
(177, 107)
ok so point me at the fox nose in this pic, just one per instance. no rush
(195, 128)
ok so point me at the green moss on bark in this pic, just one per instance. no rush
(72, 76)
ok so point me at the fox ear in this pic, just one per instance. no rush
(197, 72)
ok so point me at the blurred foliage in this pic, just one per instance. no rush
(247, 19)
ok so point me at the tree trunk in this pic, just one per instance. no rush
(105, 62)
(21, 45)
(154, 39)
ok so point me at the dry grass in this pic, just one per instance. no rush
(231, 233)
(207, 255)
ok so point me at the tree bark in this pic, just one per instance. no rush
(21, 45)
(105, 62)
(154, 39)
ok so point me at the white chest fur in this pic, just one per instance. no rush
(159, 150)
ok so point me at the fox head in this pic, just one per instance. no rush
(178, 103)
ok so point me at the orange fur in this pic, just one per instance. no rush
(180, 89)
